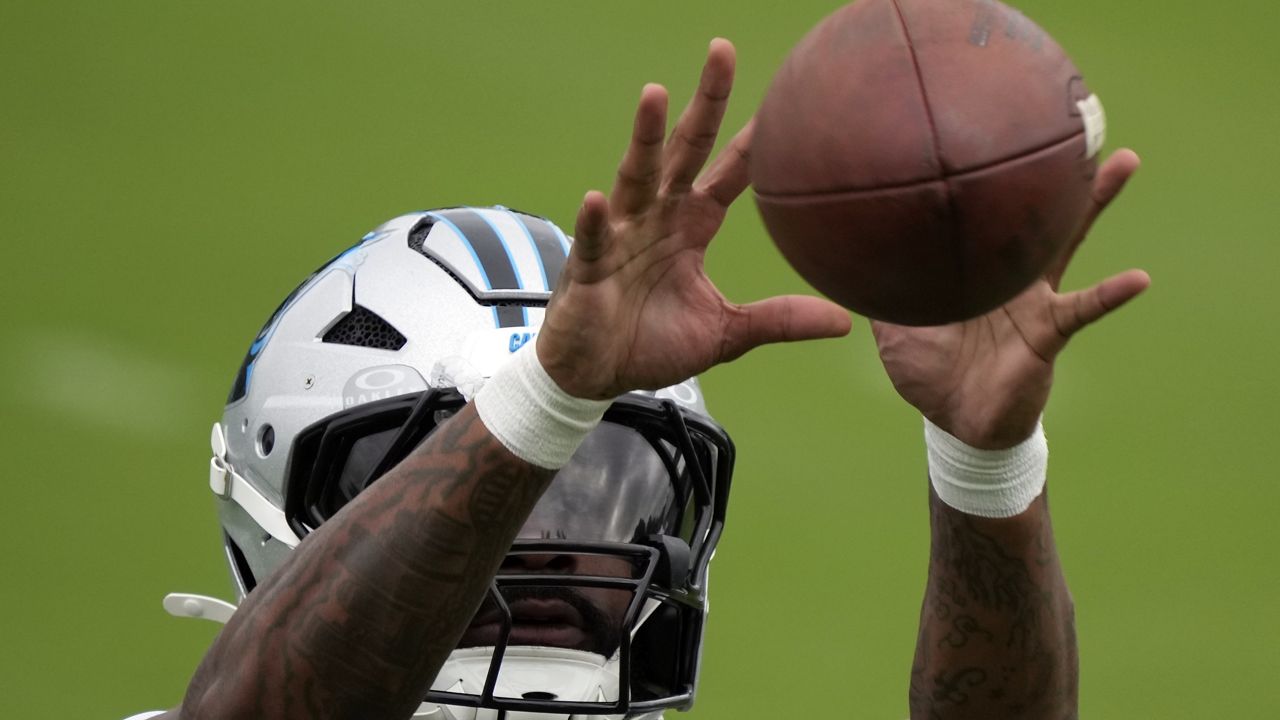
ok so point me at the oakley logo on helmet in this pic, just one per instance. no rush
(684, 393)
(380, 383)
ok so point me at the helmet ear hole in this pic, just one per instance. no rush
(266, 440)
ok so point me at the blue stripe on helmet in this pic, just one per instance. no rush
(470, 248)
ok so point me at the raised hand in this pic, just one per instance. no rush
(987, 380)
(634, 308)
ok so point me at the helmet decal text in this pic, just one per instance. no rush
(380, 383)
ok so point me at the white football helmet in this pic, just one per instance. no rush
(389, 338)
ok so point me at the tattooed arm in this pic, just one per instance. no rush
(368, 608)
(997, 630)
(996, 637)
(362, 615)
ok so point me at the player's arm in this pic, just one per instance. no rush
(997, 627)
(361, 617)
(359, 620)
(997, 635)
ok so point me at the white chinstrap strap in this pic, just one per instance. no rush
(231, 486)
(530, 415)
(987, 483)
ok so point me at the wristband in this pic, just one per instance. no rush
(987, 483)
(531, 416)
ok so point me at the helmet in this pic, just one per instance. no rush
(382, 344)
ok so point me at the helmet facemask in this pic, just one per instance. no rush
(599, 607)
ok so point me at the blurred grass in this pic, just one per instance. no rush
(172, 169)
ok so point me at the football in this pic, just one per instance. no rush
(924, 161)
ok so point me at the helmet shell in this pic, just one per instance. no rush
(428, 300)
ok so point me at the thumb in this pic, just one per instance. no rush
(786, 318)
(1073, 311)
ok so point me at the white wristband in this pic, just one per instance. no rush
(530, 415)
(988, 483)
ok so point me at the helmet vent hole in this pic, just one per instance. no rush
(266, 440)
(364, 328)
(539, 695)
(418, 235)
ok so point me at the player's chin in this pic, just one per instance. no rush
(561, 635)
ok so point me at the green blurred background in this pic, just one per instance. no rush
(172, 169)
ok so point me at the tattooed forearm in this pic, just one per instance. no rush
(997, 632)
(359, 620)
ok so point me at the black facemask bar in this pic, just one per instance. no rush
(315, 488)
(645, 559)
(324, 474)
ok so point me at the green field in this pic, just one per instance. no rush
(172, 169)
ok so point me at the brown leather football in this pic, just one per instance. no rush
(923, 161)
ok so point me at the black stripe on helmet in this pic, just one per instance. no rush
(490, 249)
(550, 251)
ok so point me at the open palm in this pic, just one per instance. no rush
(634, 308)
(987, 380)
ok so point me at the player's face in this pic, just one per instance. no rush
(576, 618)
(616, 489)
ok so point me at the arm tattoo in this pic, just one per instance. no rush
(361, 617)
(997, 629)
